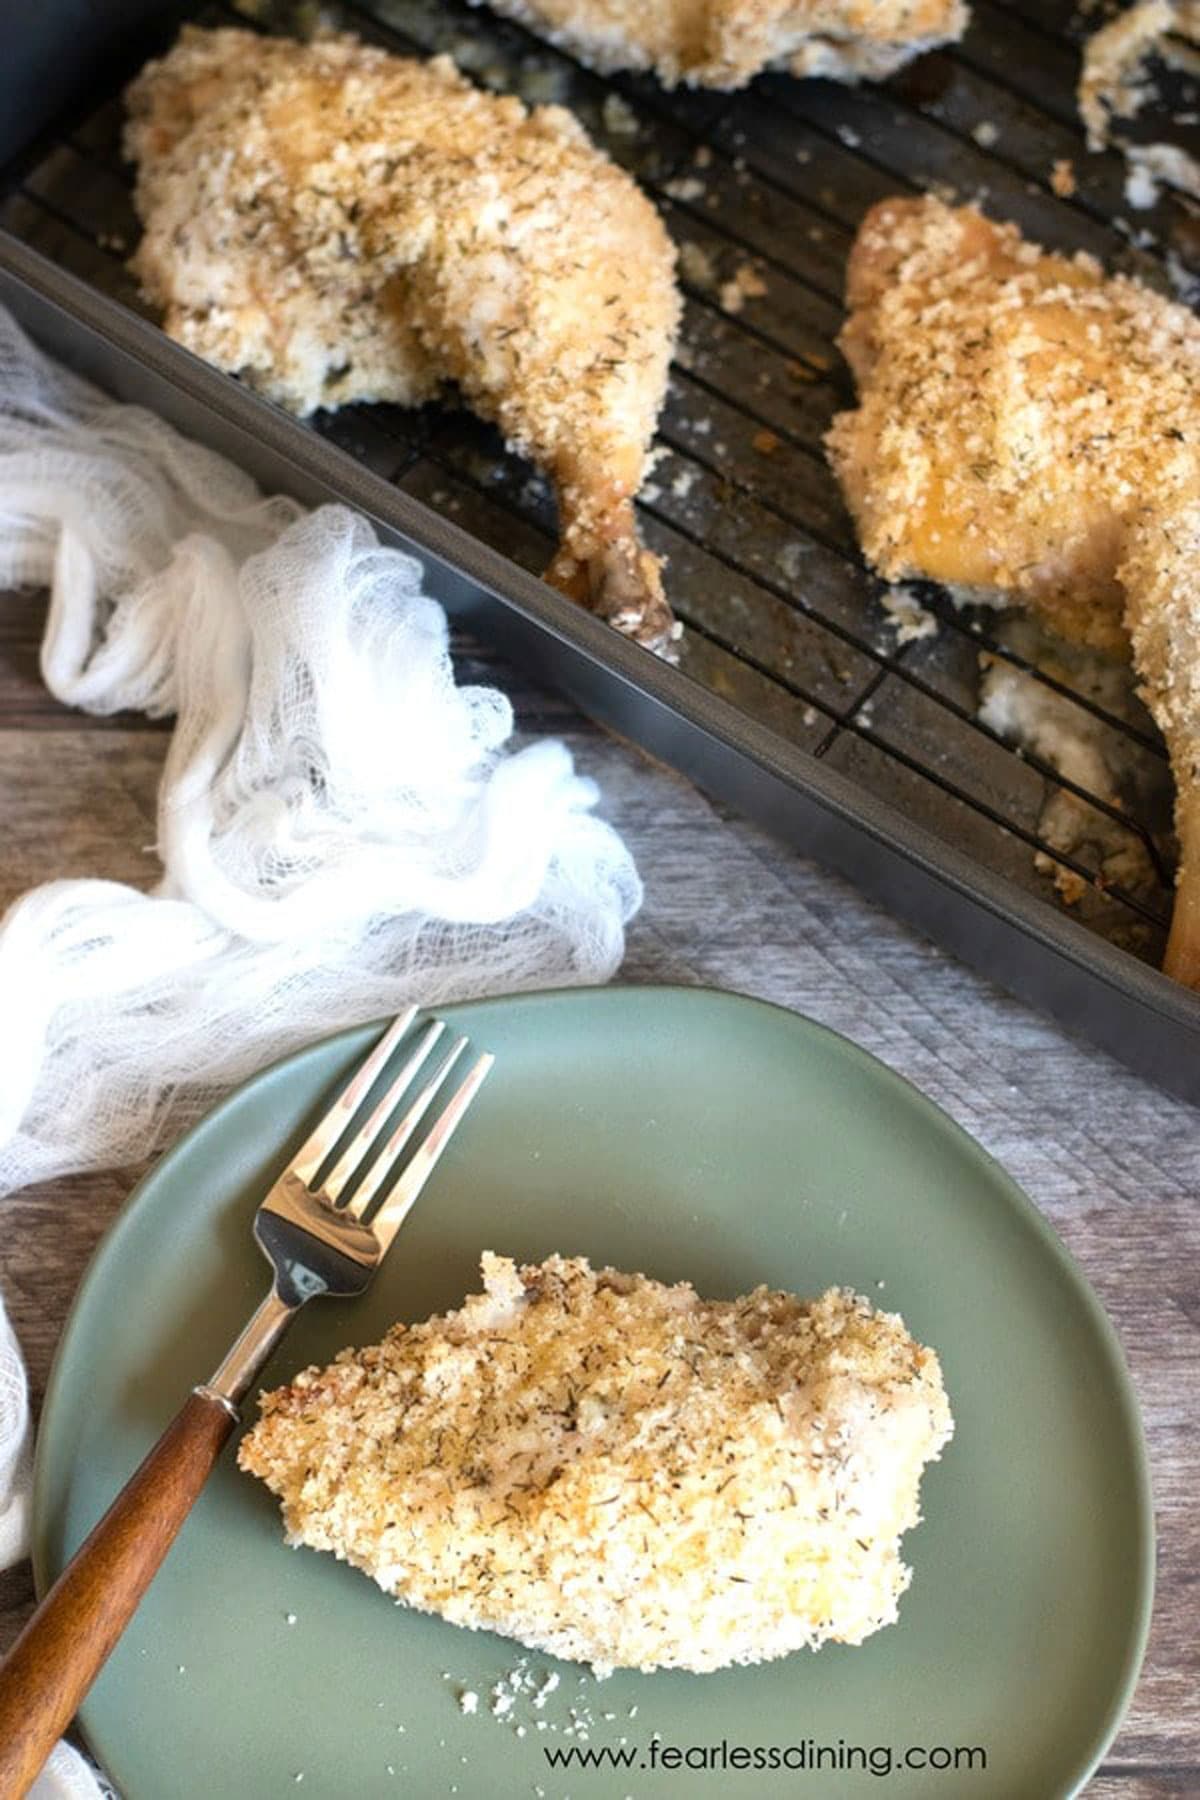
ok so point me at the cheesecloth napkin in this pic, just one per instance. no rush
(340, 827)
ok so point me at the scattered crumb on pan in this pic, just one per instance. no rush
(746, 284)
(696, 265)
(904, 615)
(791, 558)
(1096, 757)
(1155, 166)
(688, 188)
(1117, 83)
(1062, 178)
(620, 120)
(1114, 82)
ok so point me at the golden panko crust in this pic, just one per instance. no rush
(725, 43)
(1028, 431)
(338, 224)
(616, 1471)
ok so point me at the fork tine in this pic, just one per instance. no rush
(331, 1126)
(383, 1165)
(385, 1162)
(352, 1156)
(399, 1203)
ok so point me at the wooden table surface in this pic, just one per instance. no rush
(1114, 1163)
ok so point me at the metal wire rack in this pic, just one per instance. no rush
(780, 615)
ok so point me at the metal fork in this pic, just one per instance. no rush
(323, 1233)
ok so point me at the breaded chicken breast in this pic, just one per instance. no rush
(619, 1472)
(725, 43)
(1029, 432)
(337, 224)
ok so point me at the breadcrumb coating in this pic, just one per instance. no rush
(725, 43)
(1029, 431)
(619, 1472)
(1160, 572)
(1115, 81)
(337, 224)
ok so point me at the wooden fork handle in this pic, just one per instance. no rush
(65, 1644)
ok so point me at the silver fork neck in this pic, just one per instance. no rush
(231, 1381)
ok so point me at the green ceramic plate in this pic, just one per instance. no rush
(687, 1134)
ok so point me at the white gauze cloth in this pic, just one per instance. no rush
(340, 829)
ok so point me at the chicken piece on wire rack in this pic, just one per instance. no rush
(1029, 433)
(725, 43)
(335, 223)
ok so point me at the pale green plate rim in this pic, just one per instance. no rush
(1141, 1569)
